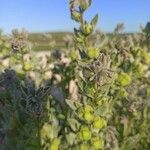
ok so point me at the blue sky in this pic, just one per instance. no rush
(54, 15)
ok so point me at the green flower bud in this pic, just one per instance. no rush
(84, 4)
(102, 101)
(55, 144)
(122, 93)
(76, 16)
(45, 131)
(85, 133)
(124, 79)
(79, 39)
(88, 108)
(88, 116)
(87, 29)
(145, 57)
(99, 123)
(138, 69)
(28, 67)
(98, 143)
(93, 52)
(74, 55)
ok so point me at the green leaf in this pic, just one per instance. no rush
(71, 138)
(102, 111)
(94, 21)
(74, 124)
(130, 142)
(80, 84)
(71, 104)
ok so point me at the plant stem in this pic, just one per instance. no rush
(39, 136)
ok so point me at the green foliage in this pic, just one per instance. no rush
(93, 96)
